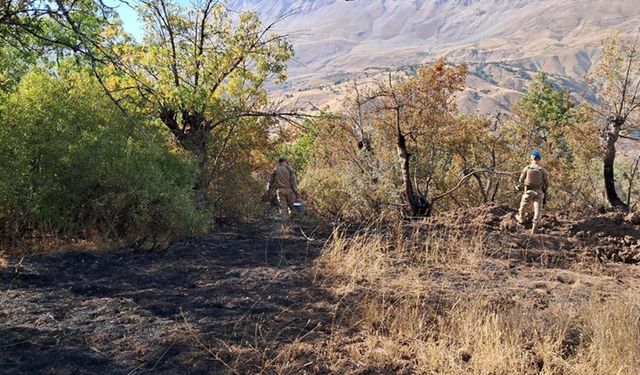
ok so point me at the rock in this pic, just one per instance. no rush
(565, 278)
(633, 218)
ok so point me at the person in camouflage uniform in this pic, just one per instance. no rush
(284, 185)
(533, 182)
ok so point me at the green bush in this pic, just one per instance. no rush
(72, 162)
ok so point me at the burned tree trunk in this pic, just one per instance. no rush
(610, 137)
(418, 204)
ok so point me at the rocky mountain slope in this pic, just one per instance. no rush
(505, 42)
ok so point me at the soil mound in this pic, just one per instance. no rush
(611, 236)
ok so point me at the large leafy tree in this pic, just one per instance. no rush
(424, 114)
(418, 118)
(202, 72)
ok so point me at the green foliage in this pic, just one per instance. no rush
(299, 152)
(57, 29)
(70, 162)
(202, 72)
(238, 153)
(14, 64)
(196, 86)
(545, 112)
(548, 119)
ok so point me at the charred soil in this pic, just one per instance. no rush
(227, 302)
(244, 300)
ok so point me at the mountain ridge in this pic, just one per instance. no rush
(504, 42)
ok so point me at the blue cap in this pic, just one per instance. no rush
(536, 154)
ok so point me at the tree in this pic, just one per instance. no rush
(544, 114)
(201, 72)
(616, 81)
(419, 114)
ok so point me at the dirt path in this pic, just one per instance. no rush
(230, 300)
(243, 301)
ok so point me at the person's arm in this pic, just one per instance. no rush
(521, 180)
(545, 180)
(272, 180)
(294, 183)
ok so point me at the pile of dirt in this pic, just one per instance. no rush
(489, 217)
(611, 236)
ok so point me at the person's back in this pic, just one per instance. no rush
(534, 181)
(282, 177)
(535, 177)
(283, 184)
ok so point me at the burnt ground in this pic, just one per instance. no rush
(231, 300)
(246, 300)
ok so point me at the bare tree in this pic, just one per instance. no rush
(616, 79)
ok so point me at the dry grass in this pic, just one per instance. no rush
(400, 294)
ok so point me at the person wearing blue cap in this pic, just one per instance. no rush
(533, 182)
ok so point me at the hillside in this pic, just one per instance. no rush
(247, 301)
(504, 42)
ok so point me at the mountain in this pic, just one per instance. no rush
(505, 42)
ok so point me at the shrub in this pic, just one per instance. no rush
(72, 163)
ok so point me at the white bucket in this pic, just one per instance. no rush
(299, 207)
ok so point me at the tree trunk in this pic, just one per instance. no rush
(610, 138)
(192, 135)
(418, 204)
(632, 177)
(201, 187)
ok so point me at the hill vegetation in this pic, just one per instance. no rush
(410, 259)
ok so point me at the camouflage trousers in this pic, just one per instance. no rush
(286, 198)
(531, 197)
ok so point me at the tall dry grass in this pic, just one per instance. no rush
(398, 295)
